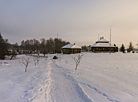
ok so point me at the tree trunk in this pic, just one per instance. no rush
(26, 69)
(76, 67)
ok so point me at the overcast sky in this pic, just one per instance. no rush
(77, 21)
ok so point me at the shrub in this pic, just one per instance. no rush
(55, 57)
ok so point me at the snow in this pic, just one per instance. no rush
(102, 41)
(101, 77)
(102, 45)
(73, 46)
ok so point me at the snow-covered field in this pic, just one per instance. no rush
(101, 77)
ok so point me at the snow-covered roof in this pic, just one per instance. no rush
(102, 41)
(102, 45)
(73, 46)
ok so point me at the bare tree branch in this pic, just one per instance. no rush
(77, 59)
(36, 60)
(25, 62)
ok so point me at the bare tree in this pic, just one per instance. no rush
(37, 59)
(77, 59)
(25, 62)
(46, 57)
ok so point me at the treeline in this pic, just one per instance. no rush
(31, 46)
(43, 46)
(86, 48)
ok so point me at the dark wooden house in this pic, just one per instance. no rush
(71, 49)
(103, 45)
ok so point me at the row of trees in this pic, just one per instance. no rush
(43, 46)
(86, 48)
(31, 46)
(129, 49)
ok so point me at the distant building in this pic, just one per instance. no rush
(71, 49)
(103, 45)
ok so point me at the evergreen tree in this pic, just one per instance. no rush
(130, 48)
(3, 47)
(122, 49)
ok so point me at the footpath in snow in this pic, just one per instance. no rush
(99, 78)
(64, 88)
(45, 82)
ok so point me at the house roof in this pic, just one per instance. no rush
(73, 46)
(102, 45)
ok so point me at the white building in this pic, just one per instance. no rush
(103, 45)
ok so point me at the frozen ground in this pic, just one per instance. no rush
(99, 78)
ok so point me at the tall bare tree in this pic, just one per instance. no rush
(43, 47)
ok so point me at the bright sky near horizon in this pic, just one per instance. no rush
(77, 21)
